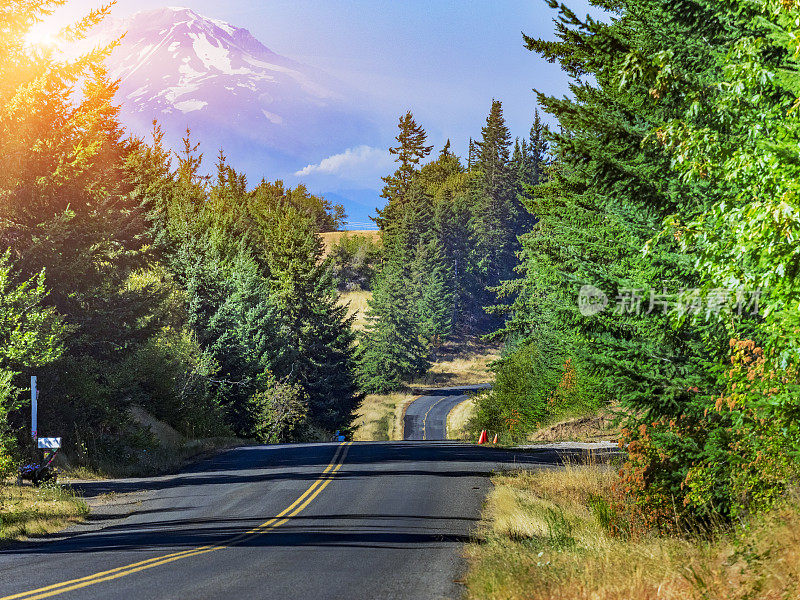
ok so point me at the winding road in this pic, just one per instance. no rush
(350, 520)
(426, 417)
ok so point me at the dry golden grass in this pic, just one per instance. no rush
(595, 427)
(458, 420)
(356, 303)
(331, 238)
(27, 511)
(379, 417)
(467, 365)
(541, 541)
(398, 426)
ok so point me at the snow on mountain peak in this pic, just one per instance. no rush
(267, 111)
(183, 68)
(174, 51)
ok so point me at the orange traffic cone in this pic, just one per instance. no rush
(494, 441)
(483, 438)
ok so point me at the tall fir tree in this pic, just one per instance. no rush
(432, 296)
(317, 328)
(391, 348)
(410, 150)
(497, 215)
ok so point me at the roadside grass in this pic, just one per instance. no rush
(356, 302)
(27, 511)
(458, 421)
(379, 417)
(541, 540)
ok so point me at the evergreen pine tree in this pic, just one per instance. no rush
(242, 333)
(496, 210)
(317, 328)
(431, 293)
(537, 150)
(391, 349)
(411, 149)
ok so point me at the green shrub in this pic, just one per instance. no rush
(7, 463)
(532, 388)
(355, 260)
(278, 412)
(168, 375)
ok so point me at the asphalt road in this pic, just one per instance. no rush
(363, 520)
(426, 417)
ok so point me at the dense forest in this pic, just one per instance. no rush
(642, 255)
(129, 277)
(450, 236)
(672, 200)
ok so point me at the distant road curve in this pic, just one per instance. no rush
(426, 417)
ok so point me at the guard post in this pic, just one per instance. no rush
(34, 408)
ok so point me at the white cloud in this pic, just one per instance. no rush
(362, 164)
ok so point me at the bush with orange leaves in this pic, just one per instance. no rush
(728, 455)
(760, 406)
(649, 494)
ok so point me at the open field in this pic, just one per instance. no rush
(541, 540)
(331, 238)
(356, 302)
(27, 511)
(462, 362)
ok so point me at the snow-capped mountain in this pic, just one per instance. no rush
(265, 110)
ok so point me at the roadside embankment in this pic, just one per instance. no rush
(161, 450)
(379, 417)
(27, 511)
(458, 421)
(543, 538)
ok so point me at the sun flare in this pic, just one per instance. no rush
(40, 36)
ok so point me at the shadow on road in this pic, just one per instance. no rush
(353, 530)
(429, 461)
(261, 464)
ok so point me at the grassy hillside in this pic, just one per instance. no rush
(356, 302)
(331, 238)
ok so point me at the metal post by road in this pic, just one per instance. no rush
(34, 407)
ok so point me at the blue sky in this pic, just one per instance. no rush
(443, 59)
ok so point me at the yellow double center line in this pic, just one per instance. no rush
(424, 422)
(281, 518)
